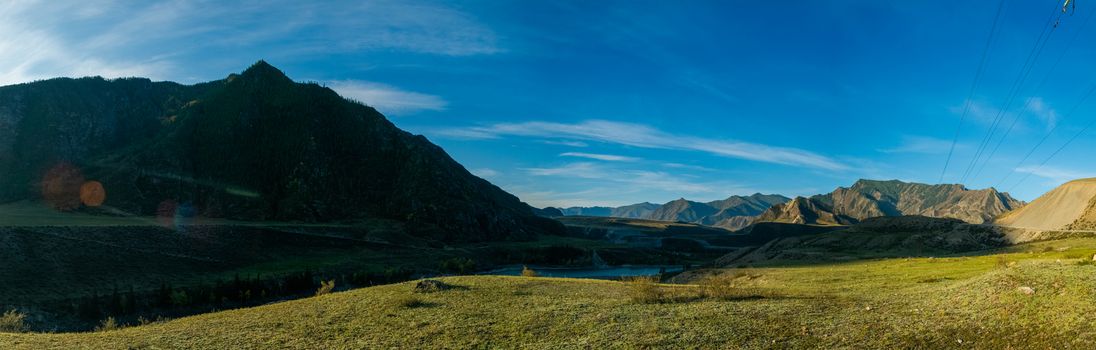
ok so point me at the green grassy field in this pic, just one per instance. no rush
(972, 301)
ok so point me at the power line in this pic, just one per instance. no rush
(1027, 106)
(973, 86)
(1025, 70)
(1047, 135)
(1075, 136)
(1084, 97)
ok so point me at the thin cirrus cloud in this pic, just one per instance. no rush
(171, 40)
(484, 172)
(31, 49)
(605, 157)
(388, 99)
(1043, 111)
(922, 145)
(639, 135)
(631, 179)
(983, 113)
(1056, 175)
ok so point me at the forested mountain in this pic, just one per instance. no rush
(253, 146)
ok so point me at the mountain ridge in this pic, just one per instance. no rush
(160, 148)
(874, 198)
(733, 212)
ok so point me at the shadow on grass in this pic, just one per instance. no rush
(435, 286)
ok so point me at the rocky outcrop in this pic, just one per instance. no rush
(807, 211)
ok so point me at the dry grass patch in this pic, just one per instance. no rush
(12, 321)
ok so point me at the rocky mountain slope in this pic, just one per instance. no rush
(805, 211)
(732, 213)
(1071, 206)
(633, 211)
(587, 211)
(869, 198)
(253, 146)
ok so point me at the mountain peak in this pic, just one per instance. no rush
(262, 70)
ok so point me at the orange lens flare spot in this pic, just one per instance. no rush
(92, 193)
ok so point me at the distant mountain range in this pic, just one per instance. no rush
(870, 198)
(732, 213)
(844, 206)
(253, 146)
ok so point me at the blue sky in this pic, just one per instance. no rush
(615, 102)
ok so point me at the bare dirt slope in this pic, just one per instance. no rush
(1068, 207)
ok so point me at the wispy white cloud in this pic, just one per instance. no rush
(581, 170)
(566, 143)
(634, 179)
(922, 145)
(639, 135)
(1056, 175)
(388, 99)
(979, 112)
(605, 157)
(31, 51)
(45, 39)
(985, 114)
(418, 27)
(484, 172)
(1043, 112)
(686, 166)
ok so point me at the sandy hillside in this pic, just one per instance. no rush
(1066, 207)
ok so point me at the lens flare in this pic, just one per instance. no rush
(93, 194)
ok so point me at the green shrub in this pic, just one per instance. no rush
(527, 272)
(12, 321)
(325, 287)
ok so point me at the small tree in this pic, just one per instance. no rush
(527, 272)
(325, 287)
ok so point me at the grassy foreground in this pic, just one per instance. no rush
(953, 302)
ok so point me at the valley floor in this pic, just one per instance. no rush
(977, 301)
